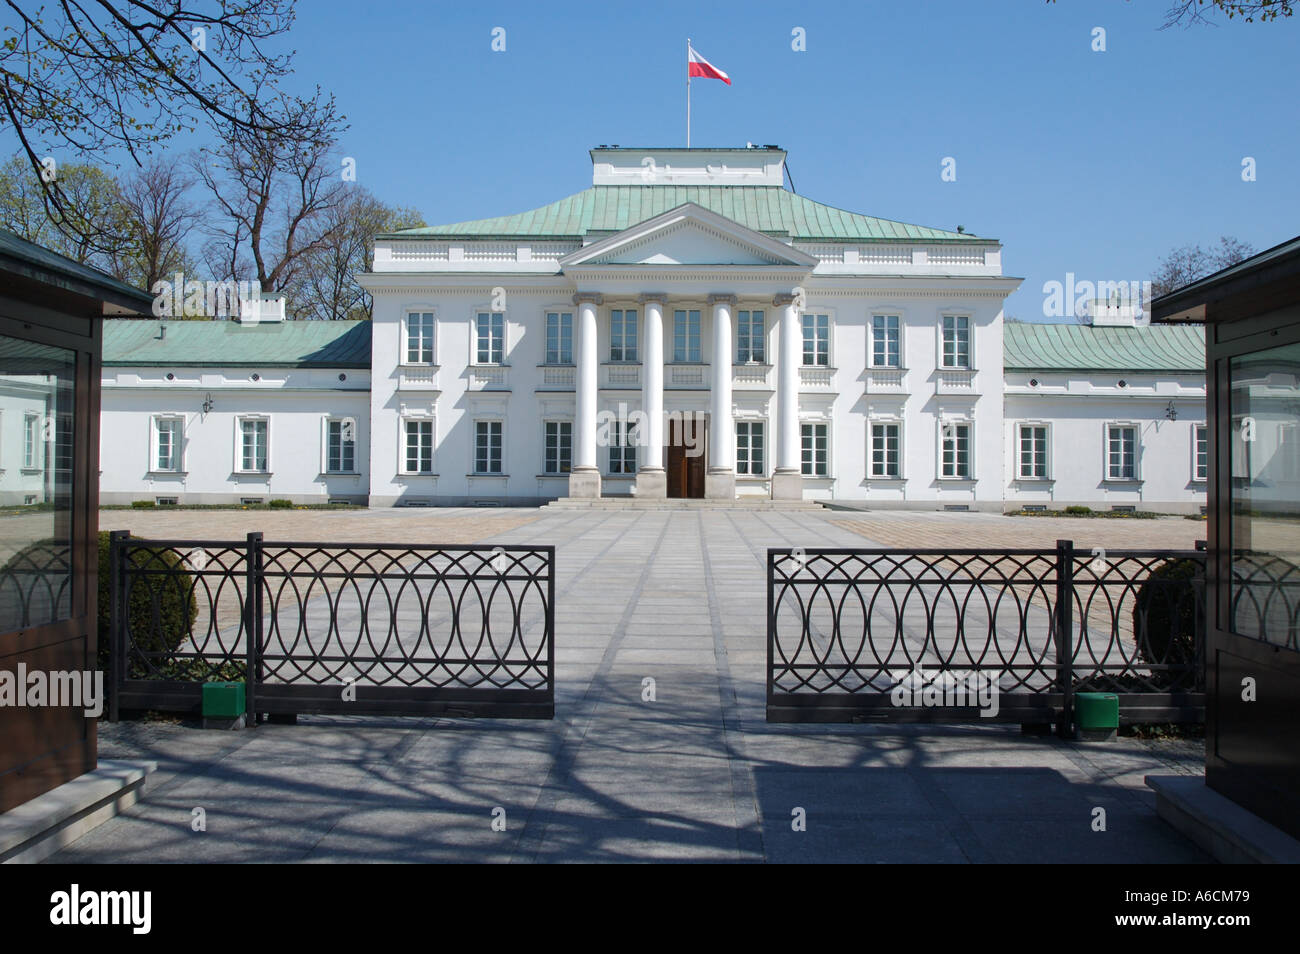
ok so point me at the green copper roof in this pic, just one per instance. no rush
(289, 344)
(1029, 346)
(612, 208)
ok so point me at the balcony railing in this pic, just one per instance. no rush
(956, 381)
(885, 379)
(620, 375)
(418, 378)
(816, 378)
(688, 375)
(488, 377)
(557, 375)
(752, 375)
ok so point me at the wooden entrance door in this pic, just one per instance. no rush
(686, 457)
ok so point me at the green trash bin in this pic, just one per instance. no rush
(1096, 716)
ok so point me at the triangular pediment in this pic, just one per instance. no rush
(689, 235)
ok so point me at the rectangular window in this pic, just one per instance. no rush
(1121, 452)
(956, 342)
(487, 447)
(884, 450)
(559, 447)
(750, 449)
(419, 337)
(340, 446)
(167, 441)
(1032, 452)
(253, 445)
(419, 447)
(686, 336)
(490, 335)
(815, 442)
(884, 341)
(31, 442)
(622, 448)
(816, 340)
(622, 335)
(750, 341)
(1202, 453)
(559, 337)
(956, 450)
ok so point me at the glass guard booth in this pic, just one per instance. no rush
(1252, 316)
(51, 310)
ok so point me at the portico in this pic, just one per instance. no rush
(719, 272)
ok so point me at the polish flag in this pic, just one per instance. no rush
(697, 65)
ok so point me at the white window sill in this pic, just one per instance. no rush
(958, 480)
(1121, 480)
(167, 473)
(340, 473)
(501, 476)
(414, 473)
(252, 473)
(880, 478)
(1036, 480)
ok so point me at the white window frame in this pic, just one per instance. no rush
(1197, 476)
(33, 449)
(155, 443)
(871, 340)
(501, 448)
(872, 473)
(264, 419)
(760, 339)
(1017, 437)
(558, 422)
(474, 338)
(403, 463)
(830, 335)
(699, 342)
(410, 312)
(764, 452)
(829, 449)
(326, 423)
(635, 324)
(970, 341)
(943, 426)
(623, 437)
(558, 314)
(1137, 451)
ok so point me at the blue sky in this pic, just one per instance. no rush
(1089, 162)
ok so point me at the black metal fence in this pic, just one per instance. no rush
(325, 628)
(1009, 635)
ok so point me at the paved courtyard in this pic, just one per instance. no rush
(695, 774)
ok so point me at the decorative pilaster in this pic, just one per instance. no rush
(584, 478)
(720, 481)
(787, 477)
(651, 478)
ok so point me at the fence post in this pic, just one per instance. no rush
(116, 622)
(253, 570)
(1065, 634)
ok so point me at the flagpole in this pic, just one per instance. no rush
(688, 92)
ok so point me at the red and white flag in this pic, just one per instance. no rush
(697, 65)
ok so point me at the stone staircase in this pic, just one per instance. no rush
(679, 503)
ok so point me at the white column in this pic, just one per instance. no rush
(651, 478)
(787, 480)
(584, 478)
(720, 481)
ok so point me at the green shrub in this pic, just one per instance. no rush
(280, 504)
(1167, 615)
(172, 595)
(1078, 508)
(142, 504)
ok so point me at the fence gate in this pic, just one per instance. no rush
(970, 635)
(325, 628)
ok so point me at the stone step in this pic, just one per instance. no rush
(678, 503)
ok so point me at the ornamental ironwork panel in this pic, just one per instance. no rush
(1008, 634)
(347, 628)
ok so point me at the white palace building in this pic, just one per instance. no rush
(686, 327)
